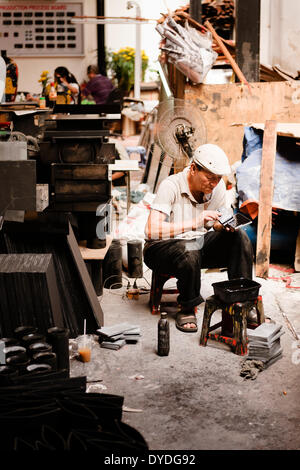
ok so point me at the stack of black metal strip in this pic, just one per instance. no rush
(42, 238)
(29, 292)
(58, 415)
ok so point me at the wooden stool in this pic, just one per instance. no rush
(233, 324)
(93, 258)
(157, 284)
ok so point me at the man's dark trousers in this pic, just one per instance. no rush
(184, 259)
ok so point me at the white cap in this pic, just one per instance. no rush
(212, 158)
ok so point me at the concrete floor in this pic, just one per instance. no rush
(195, 398)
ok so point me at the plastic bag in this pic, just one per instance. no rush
(190, 51)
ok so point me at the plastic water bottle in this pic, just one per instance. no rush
(163, 343)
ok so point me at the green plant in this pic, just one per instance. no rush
(121, 66)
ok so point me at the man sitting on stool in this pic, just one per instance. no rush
(178, 236)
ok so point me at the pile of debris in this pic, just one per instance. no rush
(189, 50)
(219, 13)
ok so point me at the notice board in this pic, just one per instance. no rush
(40, 29)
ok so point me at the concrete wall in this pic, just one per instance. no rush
(30, 68)
(280, 34)
(118, 36)
(280, 38)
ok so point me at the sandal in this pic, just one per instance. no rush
(184, 318)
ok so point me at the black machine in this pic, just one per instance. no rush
(71, 158)
(74, 158)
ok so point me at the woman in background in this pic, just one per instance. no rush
(67, 87)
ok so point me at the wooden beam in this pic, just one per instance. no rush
(264, 226)
(227, 54)
(86, 280)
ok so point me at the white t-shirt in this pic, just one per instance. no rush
(64, 89)
(175, 199)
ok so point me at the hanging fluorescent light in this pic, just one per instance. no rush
(110, 20)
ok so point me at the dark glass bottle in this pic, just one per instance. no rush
(163, 342)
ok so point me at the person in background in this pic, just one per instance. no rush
(98, 87)
(11, 81)
(67, 87)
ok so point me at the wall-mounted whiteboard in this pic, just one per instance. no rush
(43, 29)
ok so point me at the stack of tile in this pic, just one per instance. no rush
(114, 337)
(264, 343)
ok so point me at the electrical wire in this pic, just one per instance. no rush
(115, 275)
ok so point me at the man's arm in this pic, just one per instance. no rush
(158, 228)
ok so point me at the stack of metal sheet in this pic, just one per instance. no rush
(264, 343)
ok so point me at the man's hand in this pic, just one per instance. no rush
(206, 217)
(209, 216)
(218, 227)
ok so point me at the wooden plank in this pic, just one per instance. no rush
(224, 106)
(95, 254)
(264, 226)
(227, 54)
(180, 80)
(85, 278)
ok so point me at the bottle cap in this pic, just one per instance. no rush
(163, 314)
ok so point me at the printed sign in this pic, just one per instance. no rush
(40, 29)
